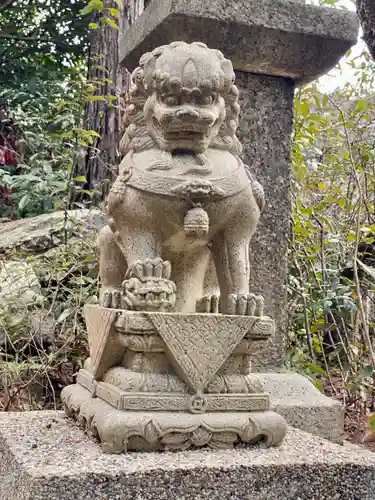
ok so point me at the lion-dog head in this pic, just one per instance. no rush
(188, 98)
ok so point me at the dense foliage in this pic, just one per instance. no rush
(40, 41)
(42, 91)
(331, 253)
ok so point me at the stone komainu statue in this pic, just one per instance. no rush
(184, 206)
(181, 213)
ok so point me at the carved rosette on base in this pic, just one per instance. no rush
(159, 381)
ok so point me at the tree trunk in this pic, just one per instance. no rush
(103, 112)
(366, 14)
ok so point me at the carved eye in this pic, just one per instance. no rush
(171, 100)
(207, 100)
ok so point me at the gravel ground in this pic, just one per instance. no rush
(45, 456)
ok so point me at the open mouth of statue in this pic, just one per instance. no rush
(184, 135)
(180, 131)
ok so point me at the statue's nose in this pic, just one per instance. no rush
(187, 112)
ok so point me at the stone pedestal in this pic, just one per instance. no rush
(131, 398)
(44, 456)
(274, 45)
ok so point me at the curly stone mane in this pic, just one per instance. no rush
(145, 81)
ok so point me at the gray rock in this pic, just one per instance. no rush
(21, 280)
(273, 37)
(37, 234)
(19, 285)
(43, 456)
(34, 328)
(43, 327)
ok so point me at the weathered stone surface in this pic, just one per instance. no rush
(38, 234)
(366, 13)
(19, 285)
(160, 426)
(265, 130)
(198, 351)
(44, 457)
(158, 381)
(182, 192)
(282, 38)
(302, 405)
(273, 37)
(182, 195)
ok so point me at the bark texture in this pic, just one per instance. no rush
(366, 14)
(103, 112)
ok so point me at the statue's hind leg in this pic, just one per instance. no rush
(112, 268)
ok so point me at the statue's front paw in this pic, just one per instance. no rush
(153, 294)
(112, 298)
(208, 304)
(145, 269)
(245, 305)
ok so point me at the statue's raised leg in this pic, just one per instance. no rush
(147, 284)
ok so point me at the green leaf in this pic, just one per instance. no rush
(97, 4)
(371, 422)
(110, 22)
(91, 6)
(91, 133)
(95, 98)
(360, 106)
(87, 10)
(24, 201)
(304, 108)
(114, 12)
(318, 384)
(80, 178)
(368, 370)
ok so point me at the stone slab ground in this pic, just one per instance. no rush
(44, 456)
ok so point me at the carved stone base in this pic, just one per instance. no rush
(120, 431)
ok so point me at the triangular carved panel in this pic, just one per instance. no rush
(105, 347)
(199, 344)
